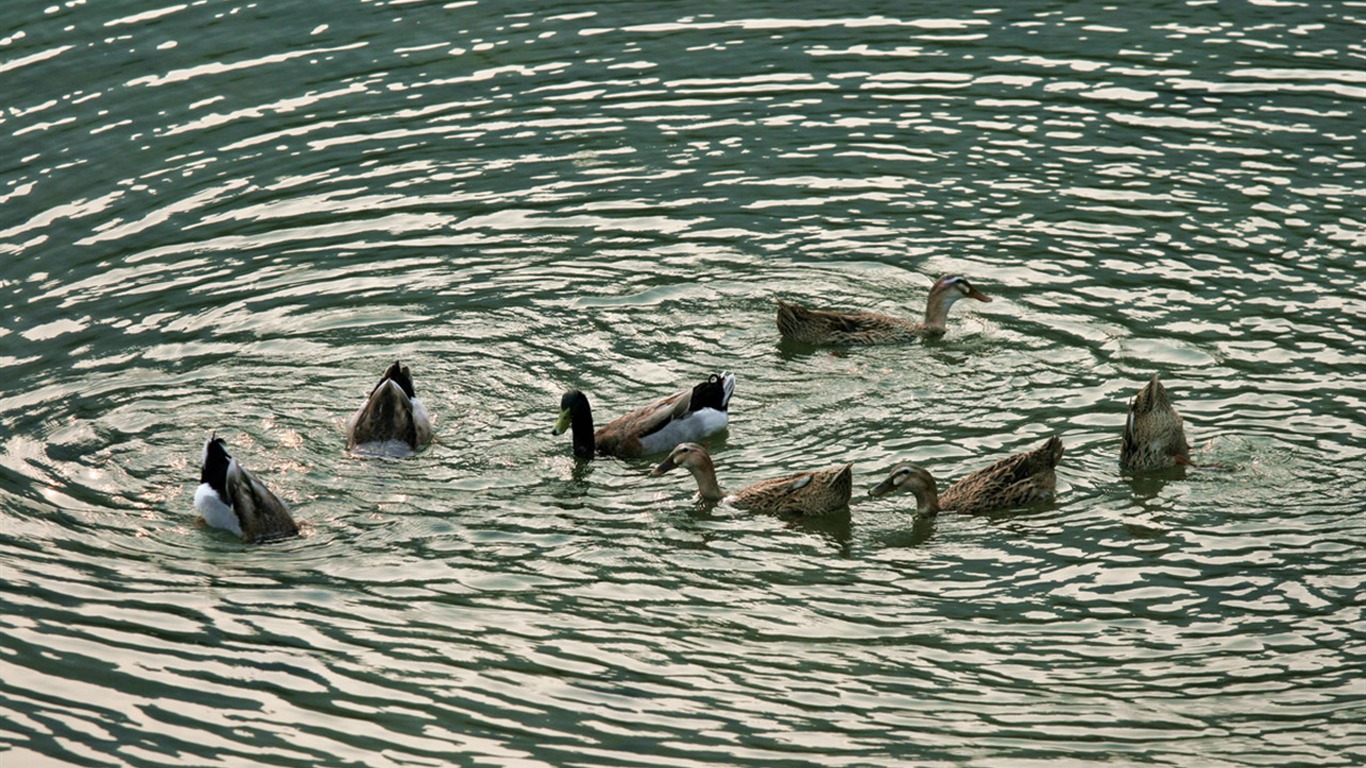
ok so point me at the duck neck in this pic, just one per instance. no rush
(926, 498)
(705, 474)
(937, 311)
(581, 430)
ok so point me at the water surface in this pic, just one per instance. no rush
(231, 217)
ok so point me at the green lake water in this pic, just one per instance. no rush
(230, 217)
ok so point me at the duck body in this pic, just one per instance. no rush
(825, 327)
(684, 416)
(231, 498)
(1015, 481)
(808, 494)
(1154, 435)
(392, 420)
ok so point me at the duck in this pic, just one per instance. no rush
(392, 420)
(822, 327)
(1154, 437)
(691, 414)
(231, 498)
(808, 494)
(1015, 481)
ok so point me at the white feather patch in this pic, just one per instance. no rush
(214, 510)
(689, 429)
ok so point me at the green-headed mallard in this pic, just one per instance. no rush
(1153, 435)
(805, 493)
(392, 420)
(814, 326)
(688, 415)
(1014, 481)
(231, 498)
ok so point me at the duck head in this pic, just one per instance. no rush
(945, 292)
(913, 479)
(690, 456)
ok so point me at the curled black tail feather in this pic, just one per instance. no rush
(710, 394)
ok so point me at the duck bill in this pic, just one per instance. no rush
(882, 489)
(562, 423)
(664, 466)
(973, 293)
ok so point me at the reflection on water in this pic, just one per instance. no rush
(219, 219)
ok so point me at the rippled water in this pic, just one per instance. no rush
(222, 216)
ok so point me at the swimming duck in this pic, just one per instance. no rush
(392, 420)
(1014, 481)
(813, 326)
(805, 493)
(688, 415)
(231, 498)
(1153, 435)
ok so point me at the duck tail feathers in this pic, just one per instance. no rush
(1052, 450)
(714, 393)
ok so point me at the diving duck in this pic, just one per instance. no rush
(688, 415)
(1153, 435)
(231, 498)
(814, 326)
(805, 493)
(392, 420)
(1014, 481)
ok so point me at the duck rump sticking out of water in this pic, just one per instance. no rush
(392, 420)
(231, 498)
(1154, 436)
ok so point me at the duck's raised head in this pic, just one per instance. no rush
(906, 477)
(571, 403)
(946, 291)
(690, 456)
(954, 287)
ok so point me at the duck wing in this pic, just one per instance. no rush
(1014, 481)
(262, 515)
(805, 493)
(681, 417)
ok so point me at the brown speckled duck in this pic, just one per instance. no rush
(1015, 481)
(805, 493)
(1154, 437)
(814, 326)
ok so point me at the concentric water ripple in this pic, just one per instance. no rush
(229, 218)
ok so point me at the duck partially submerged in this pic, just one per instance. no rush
(805, 493)
(231, 498)
(1154, 437)
(814, 326)
(1015, 481)
(691, 414)
(393, 419)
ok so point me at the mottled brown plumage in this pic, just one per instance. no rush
(815, 326)
(392, 419)
(805, 493)
(1015, 481)
(1154, 437)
